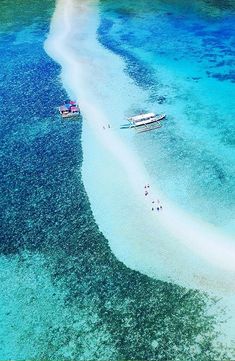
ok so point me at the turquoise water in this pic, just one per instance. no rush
(191, 243)
(183, 56)
(64, 295)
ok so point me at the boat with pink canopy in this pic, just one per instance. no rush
(70, 109)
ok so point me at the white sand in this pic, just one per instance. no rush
(170, 245)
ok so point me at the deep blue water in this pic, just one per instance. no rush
(63, 293)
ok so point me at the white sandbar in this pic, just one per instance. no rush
(169, 245)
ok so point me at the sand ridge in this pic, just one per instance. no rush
(183, 239)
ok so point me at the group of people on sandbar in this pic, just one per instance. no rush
(156, 204)
(108, 126)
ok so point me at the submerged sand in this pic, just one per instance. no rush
(170, 245)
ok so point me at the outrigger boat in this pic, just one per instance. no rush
(145, 122)
(70, 109)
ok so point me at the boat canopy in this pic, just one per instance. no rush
(69, 107)
(141, 117)
(74, 109)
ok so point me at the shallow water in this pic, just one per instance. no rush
(114, 173)
(64, 294)
(179, 244)
(184, 59)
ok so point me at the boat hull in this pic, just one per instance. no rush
(70, 115)
(147, 122)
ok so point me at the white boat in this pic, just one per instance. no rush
(146, 121)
